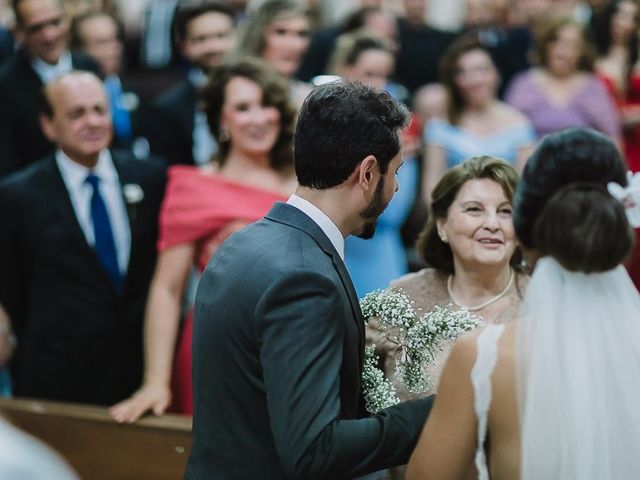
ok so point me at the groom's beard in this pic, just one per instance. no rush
(373, 211)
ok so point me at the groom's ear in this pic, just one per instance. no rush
(367, 172)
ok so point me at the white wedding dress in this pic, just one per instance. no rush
(578, 346)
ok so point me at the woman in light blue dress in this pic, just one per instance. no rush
(375, 262)
(478, 123)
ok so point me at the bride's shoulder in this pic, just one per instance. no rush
(465, 349)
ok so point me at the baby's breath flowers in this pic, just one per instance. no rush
(418, 339)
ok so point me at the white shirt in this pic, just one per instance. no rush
(48, 72)
(329, 228)
(80, 193)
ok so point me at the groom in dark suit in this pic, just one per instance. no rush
(278, 336)
(77, 252)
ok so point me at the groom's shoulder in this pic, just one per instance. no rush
(275, 246)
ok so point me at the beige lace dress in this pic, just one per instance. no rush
(428, 288)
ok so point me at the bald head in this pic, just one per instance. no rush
(76, 116)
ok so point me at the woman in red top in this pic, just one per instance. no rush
(250, 115)
(615, 31)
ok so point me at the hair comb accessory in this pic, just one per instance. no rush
(629, 196)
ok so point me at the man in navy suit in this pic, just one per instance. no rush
(278, 339)
(77, 253)
(42, 28)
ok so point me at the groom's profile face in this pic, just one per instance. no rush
(382, 196)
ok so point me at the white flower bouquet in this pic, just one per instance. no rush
(418, 339)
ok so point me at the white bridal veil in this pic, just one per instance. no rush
(579, 371)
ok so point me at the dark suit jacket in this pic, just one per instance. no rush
(277, 358)
(21, 139)
(169, 124)
(421, 48)
(78, 340)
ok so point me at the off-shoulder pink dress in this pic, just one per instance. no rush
(203, 209)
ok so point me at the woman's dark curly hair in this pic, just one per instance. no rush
(274, 93)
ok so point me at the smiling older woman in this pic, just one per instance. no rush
(470, 246)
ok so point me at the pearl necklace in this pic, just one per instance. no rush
(474, 308)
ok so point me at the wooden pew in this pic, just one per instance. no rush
(99, 448)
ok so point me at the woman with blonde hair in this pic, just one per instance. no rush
(278, 32)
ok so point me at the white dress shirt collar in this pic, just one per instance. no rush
(329, 228)
(48, 72)
(74, 176)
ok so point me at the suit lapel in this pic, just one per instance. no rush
(353, 298)
(283, 213)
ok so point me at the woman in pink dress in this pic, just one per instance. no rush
(250, 115)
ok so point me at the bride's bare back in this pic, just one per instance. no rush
(447, 446)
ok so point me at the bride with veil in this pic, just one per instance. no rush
(553, 395)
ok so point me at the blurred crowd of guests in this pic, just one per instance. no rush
(118, 184)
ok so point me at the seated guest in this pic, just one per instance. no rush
(177, 127)
(100, 35)
(478, 123)
(77, 253)
(42, 28)
(250, 114)
(562, 91)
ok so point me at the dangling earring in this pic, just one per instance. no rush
(443, 237)
(223, 135)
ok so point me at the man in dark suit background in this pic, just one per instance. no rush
(77, 252)
(177, 127)
(42, 28)
(278, 335)
(101, 35)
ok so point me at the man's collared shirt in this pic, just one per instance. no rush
(74, 176)
(48, 72)
(322, 220)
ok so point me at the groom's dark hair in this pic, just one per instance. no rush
(340, 124)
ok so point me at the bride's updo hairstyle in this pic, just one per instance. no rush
(562, 207)
(584, 228)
